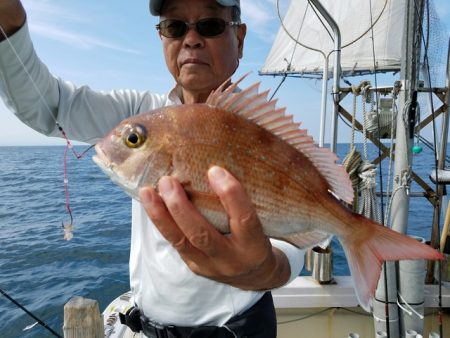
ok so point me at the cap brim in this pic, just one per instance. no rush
(155, 7)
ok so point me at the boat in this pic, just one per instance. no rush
(380, 57)
(368, 42)
(385, 54)
(383, 51)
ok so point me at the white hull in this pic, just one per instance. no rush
(306, 308)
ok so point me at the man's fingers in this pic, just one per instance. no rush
(230, 192)
(205, 251)
(161, 218)
(239, 207)
(194, 226)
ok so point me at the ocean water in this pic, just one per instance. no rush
(42, 271)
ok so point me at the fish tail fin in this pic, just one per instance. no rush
(369, 245)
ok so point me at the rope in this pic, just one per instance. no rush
(369, 206)
(353, 159)
(367, 171)
(407, 306)
(405, 181)
(366, 96)
(352, 163)
(278, 87)
(391, 151)
(356, 91)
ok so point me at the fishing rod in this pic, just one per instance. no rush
(40, 322)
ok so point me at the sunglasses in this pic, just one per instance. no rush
(208, 27)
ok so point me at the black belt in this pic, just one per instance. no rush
(155, 330)
(257, 322)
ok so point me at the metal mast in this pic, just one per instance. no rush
(403, 161)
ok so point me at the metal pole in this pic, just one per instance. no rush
(403, 158)
(406, 120)
(323, 110)
(336, 69)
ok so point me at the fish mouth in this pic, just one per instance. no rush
(102, 160)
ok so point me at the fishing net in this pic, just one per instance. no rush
(433, 72)
(435, 38)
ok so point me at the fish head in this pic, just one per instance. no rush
(132, 154)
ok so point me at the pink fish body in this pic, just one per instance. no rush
(292, 183)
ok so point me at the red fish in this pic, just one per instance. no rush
(296, 187)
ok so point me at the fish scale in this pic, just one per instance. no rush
(296, 187)
(274, 202)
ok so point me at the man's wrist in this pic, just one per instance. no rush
(281, 271)
(272, 274)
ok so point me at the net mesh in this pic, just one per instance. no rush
(436, 40)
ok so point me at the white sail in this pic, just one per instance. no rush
(354, 18)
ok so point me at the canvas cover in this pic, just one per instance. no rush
(355, 19)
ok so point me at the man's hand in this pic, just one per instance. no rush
(243, 259)
(12, 17)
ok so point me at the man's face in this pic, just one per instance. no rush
(200, 64)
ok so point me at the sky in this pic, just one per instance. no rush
(112, 44)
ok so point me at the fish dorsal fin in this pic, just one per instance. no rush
(255, 107)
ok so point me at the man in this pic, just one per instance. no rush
(187, 279)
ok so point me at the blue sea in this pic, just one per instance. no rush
(42, 271)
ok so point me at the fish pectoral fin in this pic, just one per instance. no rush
(304, 240)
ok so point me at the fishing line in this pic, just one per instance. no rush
(30, 314)
(67, 227)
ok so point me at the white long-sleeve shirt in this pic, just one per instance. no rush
(162, 285)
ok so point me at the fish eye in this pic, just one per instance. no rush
(134, 136)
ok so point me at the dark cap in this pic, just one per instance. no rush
(155, 5)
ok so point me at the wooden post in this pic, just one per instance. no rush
(82, 319)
